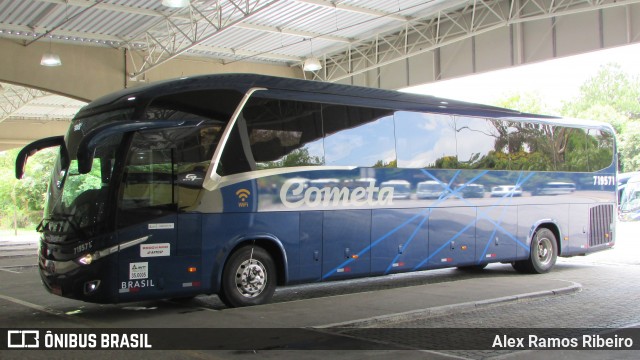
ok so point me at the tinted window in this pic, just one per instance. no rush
(600, 149)
(151, 184)
(425, 140)
(479, 143)
(525, 146)
(282, 133)
(278, 133)
(531, 147)
(273, 133)
(576, 151)
(359, 137)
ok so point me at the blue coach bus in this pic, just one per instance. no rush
(235, 184)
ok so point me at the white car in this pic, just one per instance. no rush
(506, 190)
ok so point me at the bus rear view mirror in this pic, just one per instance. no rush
(31, 149)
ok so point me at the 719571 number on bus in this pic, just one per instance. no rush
(604, 180)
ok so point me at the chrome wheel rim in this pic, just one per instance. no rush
(251, 278)
(545, 251)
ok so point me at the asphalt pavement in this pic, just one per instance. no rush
(596, 291)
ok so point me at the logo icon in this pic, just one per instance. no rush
(23, 339)
(243, 195)
(191, 177)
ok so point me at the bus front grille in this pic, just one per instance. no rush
(600, 219)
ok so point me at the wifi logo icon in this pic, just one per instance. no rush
(243, 194)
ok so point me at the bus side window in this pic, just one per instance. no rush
(599, 149)
(154, 183)
(273, 133)
(147, 180)
(358, 136)
(480, 144)
(425, 140)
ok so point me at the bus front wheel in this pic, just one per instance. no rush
(249, 277)
(543, 255)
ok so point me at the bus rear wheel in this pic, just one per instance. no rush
(248, 278)
(543, 255)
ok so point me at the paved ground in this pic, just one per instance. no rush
(395, 312)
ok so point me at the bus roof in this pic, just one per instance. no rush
(307, 90)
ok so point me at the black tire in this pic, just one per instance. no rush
(543, 255)
(249, 277)
(472, 268)
(521, 266)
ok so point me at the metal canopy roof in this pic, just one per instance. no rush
(274, 31)
(349, 36)
(262, 31)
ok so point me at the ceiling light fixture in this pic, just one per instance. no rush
(176, 3)
(50, 59)
(312, 64)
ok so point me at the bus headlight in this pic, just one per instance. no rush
(91, 286)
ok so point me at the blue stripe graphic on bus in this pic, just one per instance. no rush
(379, 240)
(406, 245)
(426, 213)
(445, 245)
(519, 184)
(480, 213)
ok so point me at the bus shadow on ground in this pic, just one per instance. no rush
(372, 284)
(148, 310)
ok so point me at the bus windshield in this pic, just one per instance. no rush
(75, 205)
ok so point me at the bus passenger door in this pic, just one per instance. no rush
(346, 241)
(150, 197)
(143, 266)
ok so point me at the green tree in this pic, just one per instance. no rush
(526, 102)
(630, 147)
(382, 164)
(22, 201)
(611, 86)
(612, 96)
(297, 157)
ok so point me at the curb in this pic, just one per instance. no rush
(450, 309)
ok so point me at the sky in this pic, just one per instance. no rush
(554, 80)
